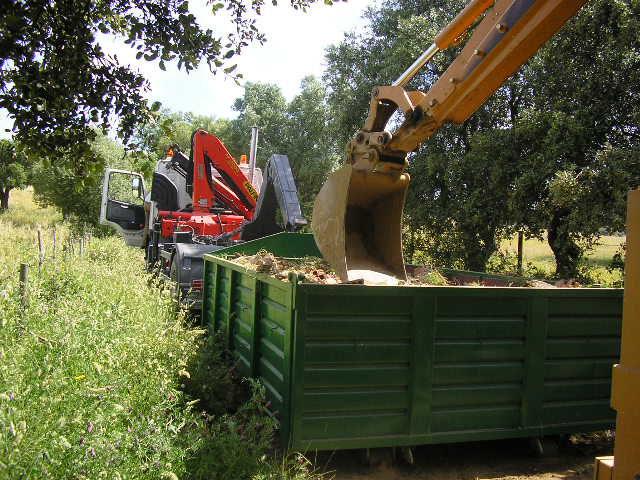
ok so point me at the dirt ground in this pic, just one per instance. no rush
(497, 460)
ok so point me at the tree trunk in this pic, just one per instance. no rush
(477, 253)
(411, 244)
(566, 252)
(4, 199)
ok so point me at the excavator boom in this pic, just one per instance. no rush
(506, 38)
(357, 213)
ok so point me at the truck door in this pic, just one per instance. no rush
(122, 206)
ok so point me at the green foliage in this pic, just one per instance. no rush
(617, 262)
(58, 84)
(308, 142)
(263, 106)
(76, 397)
(211, 378)
(299, 129)
(235, 445)
(458, 197)
(433, 277)
(14, 170)
(505, 262)
(93, 371)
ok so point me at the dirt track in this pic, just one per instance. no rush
(500, 460)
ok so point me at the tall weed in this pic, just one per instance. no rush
(101, 378)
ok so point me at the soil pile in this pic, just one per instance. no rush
(314, 269)
(317, 270)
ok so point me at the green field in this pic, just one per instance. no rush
(102, 377)
(539, 252)
(538, 257)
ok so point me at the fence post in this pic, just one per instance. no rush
(24, 285)
(53, 250)
(40, 250)
(520, 251)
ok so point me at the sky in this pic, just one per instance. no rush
(295, 47)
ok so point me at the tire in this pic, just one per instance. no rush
(174, 276)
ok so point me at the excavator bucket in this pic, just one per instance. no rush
(357, 218)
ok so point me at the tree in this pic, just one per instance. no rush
(59, 85)
(262, 105)
(78, 197)
(307, 140)
(298, 129)
(457, 196)
(14, 170)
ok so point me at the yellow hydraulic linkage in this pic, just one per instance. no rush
(625, 391)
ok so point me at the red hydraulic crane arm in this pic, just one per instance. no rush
(229, 199)
(235, 191)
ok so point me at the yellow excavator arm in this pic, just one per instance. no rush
(357, 214)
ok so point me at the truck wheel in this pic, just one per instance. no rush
(174, 275)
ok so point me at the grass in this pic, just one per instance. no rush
(539, 261)
(76, 396)
(539, 252)
(23, 211)
(101, 378)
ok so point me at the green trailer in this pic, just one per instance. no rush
(355, 366)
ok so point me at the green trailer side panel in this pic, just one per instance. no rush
(361, 333)
(353, 366)
(479, 361)
(583, 343)
(387, 367)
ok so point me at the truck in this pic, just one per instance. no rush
(199, 203)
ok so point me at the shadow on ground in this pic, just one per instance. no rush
(508, 459)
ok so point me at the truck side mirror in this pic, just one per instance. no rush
(136, 186)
